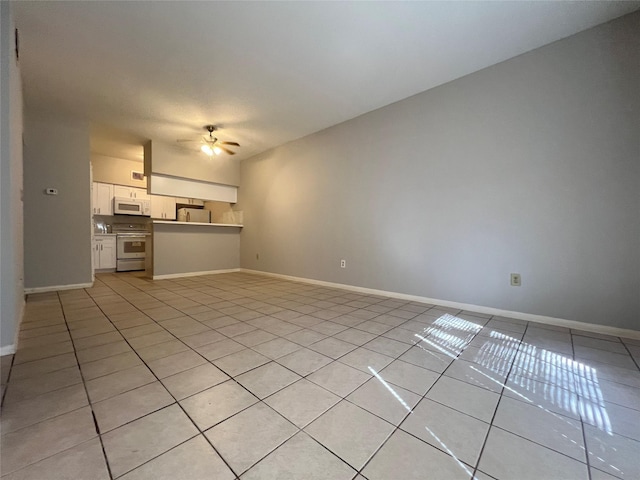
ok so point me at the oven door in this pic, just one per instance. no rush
(130, 246)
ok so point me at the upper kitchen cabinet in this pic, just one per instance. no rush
(190, 201)
(102, 198)
(130, 192)
(163, 207)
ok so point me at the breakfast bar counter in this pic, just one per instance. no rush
(180, 249)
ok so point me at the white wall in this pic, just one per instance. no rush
(116, 171)
(530, 166)
(57, 229)
(11, 229)
(174, 160)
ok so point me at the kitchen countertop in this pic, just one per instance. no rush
(171, 222)
(100, 234)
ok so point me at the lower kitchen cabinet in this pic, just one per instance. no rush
(104, 252)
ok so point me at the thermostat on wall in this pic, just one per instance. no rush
(51, 191)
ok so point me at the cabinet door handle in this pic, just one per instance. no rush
(101, 247)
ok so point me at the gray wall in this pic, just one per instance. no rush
(116, 171)
(530, 166)
(11, 231)
(192, 248)
(57, 229)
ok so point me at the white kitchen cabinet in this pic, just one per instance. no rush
(104, 252)
(163, 207)
(190, 201)
(130, 192)
(102, 198)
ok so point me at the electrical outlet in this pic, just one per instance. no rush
(516, 281)
(343, 263)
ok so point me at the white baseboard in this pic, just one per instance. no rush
(194, 274)
(7, 350)
(55, 288)
(529, 317)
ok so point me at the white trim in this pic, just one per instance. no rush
(194, 274)
(529, 317)
(55, 288)
(8, 350)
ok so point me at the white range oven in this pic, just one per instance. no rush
(131, 242)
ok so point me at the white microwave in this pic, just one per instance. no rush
(131, 206)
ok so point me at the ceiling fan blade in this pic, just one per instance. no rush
(225, 149)
(187, 140)
(235, 144)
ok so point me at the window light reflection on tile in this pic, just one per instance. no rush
(558, 378)
(390, 388)
(448, 450)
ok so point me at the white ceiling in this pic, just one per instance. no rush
(266, 72)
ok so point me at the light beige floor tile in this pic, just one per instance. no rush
(554, 431)
(305, 337)
(37, 442)
(219, 349)
(366, 361)
(436, 424)
(84, 461)
(194, 459)
(240, 362)
(108, 365)
(350, 432)
(36, 409)
(304, 361)
(267, 379)
(135, 443)
(276, 348)
(161, 350)
(406, 457)
(390, 402)
(245, 438)
(194, 380)
(464, 397)
(302, 402)
(339, 378)
(141, 330)
(301, 457)
(436, 362)
(97, 340)
(24, 355)
(218, 403)
(387, 346)
(612, 453)
(46, 330)
(409, 376)
(167, 366)
(149, 339)
(129, 406)
(477, 375)
(204, 338)
(119, 382)
(527, 460)
(332, 347)
(102, 351)
(236, 329)
(45, 340)
(21, 390)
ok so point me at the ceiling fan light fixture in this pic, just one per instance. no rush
(207, 149)
(217, 150)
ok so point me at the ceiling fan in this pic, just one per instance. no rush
(210, 144)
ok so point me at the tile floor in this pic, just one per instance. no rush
(247, 376)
